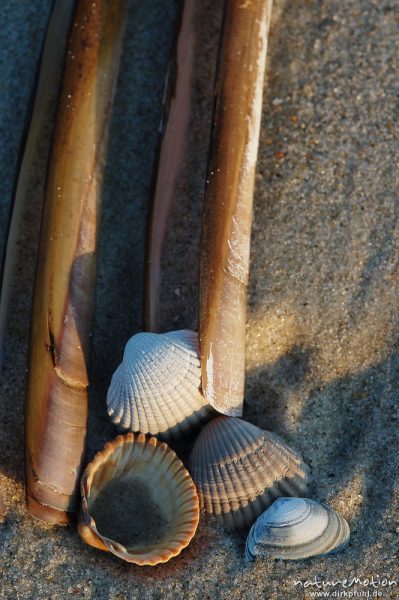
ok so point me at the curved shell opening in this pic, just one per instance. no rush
(139, 502)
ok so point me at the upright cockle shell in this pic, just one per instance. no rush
(239, 470)
(295, 528)
(156, 388)
(138, 501)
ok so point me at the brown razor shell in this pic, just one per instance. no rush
(171, 156)
(227, 214)
(46, 83)
(57, 395)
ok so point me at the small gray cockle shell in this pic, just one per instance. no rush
(157, 387)
(295, 528)
(240, 469)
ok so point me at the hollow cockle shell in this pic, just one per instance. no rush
(157, 387)
(239, 470)
(295, 528)
(138, 501)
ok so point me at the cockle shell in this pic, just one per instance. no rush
(156, 388)
(138, 501)
(295, 528)
(239, 470)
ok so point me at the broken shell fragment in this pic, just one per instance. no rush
(239, 470)
(138, 501)
(295, 528)
(156, 388)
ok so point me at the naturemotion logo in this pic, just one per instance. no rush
(350, 587)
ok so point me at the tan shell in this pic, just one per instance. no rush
(227, 215)
(239, 470)
(136, 489)
(156, 388)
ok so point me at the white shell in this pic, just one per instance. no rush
(239, 470)
(156, 388)
(295, 528)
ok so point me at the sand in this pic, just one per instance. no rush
(127, 511)
(322, 344)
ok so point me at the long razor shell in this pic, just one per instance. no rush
(296, 528)
(174, 131)
(156, 388)
(47, 81)
(239, 470)
(226, 225)
(138, 501)
(57, 395)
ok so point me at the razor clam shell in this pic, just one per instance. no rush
(296, 528)
(156, 388)
(136, 455)
(239, 470)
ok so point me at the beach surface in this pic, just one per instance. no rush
(323, 298)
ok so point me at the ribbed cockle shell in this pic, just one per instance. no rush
(295, 528)
(157, 387)
(239, 470)
(138, 501)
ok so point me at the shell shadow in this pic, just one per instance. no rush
(267, 388)
(325, 251)
(355, 422)
(347, 429)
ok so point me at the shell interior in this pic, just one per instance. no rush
(157, 387)
(239, 470)
(295, 528)
(139, 502)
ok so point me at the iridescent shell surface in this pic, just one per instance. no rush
(138, 501)
(157, 387)
(239, 470)
(296, 528)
